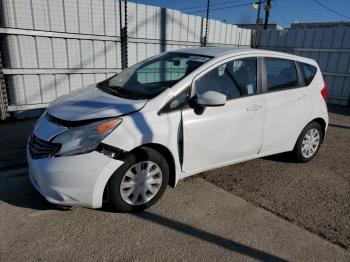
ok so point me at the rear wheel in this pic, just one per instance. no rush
(140, 181)
(309, 142)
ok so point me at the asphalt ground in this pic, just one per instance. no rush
(197, 221)
(314, 196)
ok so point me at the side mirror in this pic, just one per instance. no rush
(211, 98)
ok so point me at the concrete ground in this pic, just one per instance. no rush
(196, 221)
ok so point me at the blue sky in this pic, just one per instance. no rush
(282, 12)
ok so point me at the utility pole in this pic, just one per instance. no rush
(258, 16)
(258, 4)
(205, 38)
(267, 12)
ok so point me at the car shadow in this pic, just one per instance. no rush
(340, 110)
(33, 200)
(282, 157)
(17, 190)
(36, 202)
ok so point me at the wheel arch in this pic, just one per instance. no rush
(318, 120)
(322, 123)
(164, 151)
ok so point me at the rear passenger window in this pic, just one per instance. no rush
(309, 72)
(281, 74)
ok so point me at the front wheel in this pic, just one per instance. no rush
(140, 181)
(309, 142)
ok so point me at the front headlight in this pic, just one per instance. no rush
(86, 138)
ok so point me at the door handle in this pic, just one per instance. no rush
(254, 107)
(303, 97)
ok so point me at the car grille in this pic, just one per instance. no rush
(40, 149)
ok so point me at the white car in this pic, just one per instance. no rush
(172, 116)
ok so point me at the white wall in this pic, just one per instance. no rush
(68, 44)
(330, 47)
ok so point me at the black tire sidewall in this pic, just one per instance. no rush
(297, 150)
(141, 154)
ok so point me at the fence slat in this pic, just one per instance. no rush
(329, 47)
(56, 46)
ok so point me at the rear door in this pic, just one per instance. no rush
(288, 104)
(227, 133)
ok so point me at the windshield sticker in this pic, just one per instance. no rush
(195, 58)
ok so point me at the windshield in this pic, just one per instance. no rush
(149, 78)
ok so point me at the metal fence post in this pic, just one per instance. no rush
(204, 40)
(123, 34)
(126, 33)
(3, 94)
(255, 38)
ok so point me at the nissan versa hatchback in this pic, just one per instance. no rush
(172, 116)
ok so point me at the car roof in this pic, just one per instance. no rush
(212, 51)
(222, 51)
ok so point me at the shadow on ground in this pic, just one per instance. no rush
(17, 191)
(284, 158)
(340, 110)
(209, 237)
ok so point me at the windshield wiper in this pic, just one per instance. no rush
(122, 92)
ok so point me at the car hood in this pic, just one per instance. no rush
(92, 103)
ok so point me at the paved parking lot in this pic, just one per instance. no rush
(314, 195)
(197, 221)
(305, 206)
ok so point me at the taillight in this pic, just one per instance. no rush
(324, 92)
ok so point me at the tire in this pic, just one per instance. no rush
(301, 152)
(134, 173)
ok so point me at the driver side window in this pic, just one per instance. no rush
(234, 79)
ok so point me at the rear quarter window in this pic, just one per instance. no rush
(309, 72)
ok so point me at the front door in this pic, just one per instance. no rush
(227, 133)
